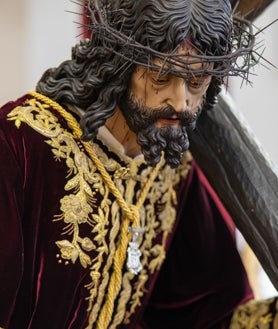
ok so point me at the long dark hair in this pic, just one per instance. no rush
(126, 33)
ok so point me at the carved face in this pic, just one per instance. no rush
(160, 106)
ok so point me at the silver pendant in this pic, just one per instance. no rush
(133, 252)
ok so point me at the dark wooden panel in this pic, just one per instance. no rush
(251, 9)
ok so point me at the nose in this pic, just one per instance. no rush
(178, 95)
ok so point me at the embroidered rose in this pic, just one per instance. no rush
(75, 209)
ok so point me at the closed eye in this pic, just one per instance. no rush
(195, 82)
(158, 78)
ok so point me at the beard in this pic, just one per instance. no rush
(170, 140)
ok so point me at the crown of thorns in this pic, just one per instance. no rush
(237, 62)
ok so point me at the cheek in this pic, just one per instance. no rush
(154, 96)
(138, 85)
(196, 99)
(146, 92)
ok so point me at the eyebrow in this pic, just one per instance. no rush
(184, 68)
(192, 73)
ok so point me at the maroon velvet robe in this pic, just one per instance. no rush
(198, 286)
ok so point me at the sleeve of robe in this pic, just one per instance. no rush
(202, 280)
(11, 201)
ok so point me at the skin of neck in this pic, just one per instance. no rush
(120, 130)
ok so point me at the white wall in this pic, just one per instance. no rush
(12, 56)
(34, 35)
(260, 102)
(51, 33)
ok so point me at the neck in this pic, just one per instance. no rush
(119, 129)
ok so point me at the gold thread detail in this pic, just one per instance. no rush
(158, 214)
(131, 212)
(258, 314)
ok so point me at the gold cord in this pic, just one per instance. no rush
(131, 212)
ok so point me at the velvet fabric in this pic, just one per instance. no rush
(202, 280)
(200, 284)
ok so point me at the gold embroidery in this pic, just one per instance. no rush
(76, 207)
(88, 203)
(152, 254)
(35, 116)
(256, 314)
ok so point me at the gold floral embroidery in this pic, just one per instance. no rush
(77, 206)
(95, 249)
(259, 314)
(153, 255)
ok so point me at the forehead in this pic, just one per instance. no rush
(184, 61)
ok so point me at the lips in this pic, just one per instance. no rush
(168, 122)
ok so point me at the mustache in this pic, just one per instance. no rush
(186, 117)
(151, 116)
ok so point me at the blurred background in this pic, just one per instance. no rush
(38, 34)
